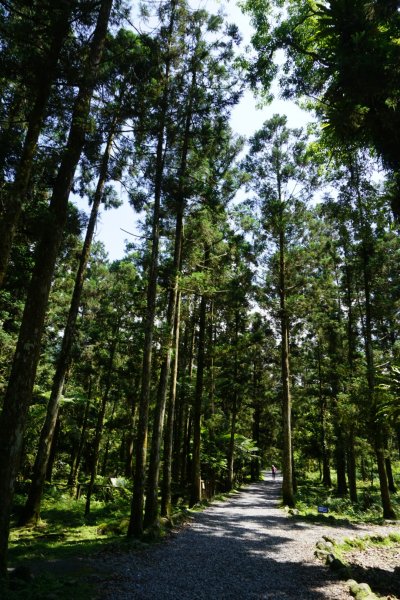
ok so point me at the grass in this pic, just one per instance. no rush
(64, 531)
(368, 509)
(369, 541)
(64, 534)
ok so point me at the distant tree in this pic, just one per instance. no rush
(277, 162)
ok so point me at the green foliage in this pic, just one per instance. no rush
(311, 494)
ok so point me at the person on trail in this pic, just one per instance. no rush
(273, 469)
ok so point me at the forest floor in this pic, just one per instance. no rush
(243, 548)
(247, 548)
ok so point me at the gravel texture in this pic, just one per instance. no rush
(243, 549)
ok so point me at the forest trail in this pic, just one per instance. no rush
(242, 549)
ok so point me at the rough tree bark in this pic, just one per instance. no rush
(31, 511)
(195, 495)
(169, 432)
(287, 466)
(16, 197)
(20, 385)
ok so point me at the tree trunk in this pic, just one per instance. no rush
(136, 518)
(169, 433)
(255, 462)
(181, 437)
(231, 447)
(340, 455)
(287, 470)
(100, 421)
(15, 199)
(20, 385)
(129, 441)
(195, 495)
(388, 510)
(73, 476)
(389, 472)
(351, 466)
(53, 452)
(151, 507)
(31, 512)
(235, 408)
(326, 471)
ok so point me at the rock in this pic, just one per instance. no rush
(321, 554)
(361, 591)
(327, 538)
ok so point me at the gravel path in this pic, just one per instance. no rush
(242, 549)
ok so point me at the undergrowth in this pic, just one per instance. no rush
(368, 509)
(64, 533)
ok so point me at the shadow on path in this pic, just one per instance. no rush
(245, 548)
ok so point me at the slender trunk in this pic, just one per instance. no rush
(326, 471)
(151, 507)
(32, 506)
(195, 495)
(340, 454)
(351, 466)
(15, 199)
(20, 385)
(135, 527)
(107, 447)
(100, 421)
(73, 476)
(136, 518)
(351, 344)
(389, 472)
(53, 452)
(388, 510)
(231, 447)
(129, 441)
(169, 433)
(255, 462)
(287, 468)
(182, 436)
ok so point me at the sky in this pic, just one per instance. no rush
(245, 120)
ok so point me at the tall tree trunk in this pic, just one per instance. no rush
(100, 420)
(136, 518)
(326, 471)
(181, 446)
(351, 343)
(135, 527)
(31, 511)
(53, 451)
(169, 433)
(231, 446)
(151, 507)
(389, 472)
(129, 441)
(20, 385)
(73, 475)
(388, 510)
(195, 495)
(235, 407)
(287, 469)
(340, 456)
(15, 198)
(351, 466)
